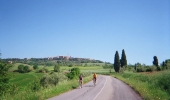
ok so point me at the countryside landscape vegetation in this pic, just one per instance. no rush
(40, 79)
(124, 41)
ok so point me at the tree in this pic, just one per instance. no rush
(166, 64)
(4, 78)
(35, 66)
(26, 69)
(23, 69)
(57, 68)
(74, 73)
(116, 62)
(163, 65)
(123, 59)
(135, 67)
(155, 62)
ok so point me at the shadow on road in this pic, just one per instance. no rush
(88, 86)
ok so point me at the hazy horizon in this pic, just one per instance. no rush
(88, 29)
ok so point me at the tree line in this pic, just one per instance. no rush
(52, 62)
(121, 64)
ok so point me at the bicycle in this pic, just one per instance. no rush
(94, 81)
(80, 83)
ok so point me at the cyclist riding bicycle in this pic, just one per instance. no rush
(81, 81)
(94, 78)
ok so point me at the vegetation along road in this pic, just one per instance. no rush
(107, 88)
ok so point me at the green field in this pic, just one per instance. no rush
(150, 85)
(23, 79)
(66, 68)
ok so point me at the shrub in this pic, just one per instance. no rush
(35, 66)
(148, 69)
(23, 69)
(153, 68)
(57, 68)
(158, 68)
(43, 70)
(75, 72)
(52, 79)
(141, 69)
(70, 65)
(35, 85)
(5, 87)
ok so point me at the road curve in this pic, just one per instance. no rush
(107, 88)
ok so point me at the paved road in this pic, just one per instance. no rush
(107, 88)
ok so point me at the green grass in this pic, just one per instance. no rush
(63, 87)
(46, 93)
(150, 86)
(23, 79)
(97, 69)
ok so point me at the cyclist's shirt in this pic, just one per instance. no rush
(95, 76)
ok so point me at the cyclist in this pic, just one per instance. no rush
(94, 78)
(81, 81)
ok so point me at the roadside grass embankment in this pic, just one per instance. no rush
(64, 87)
(44, 93)
(152, 86)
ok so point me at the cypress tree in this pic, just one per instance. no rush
(135, 67)
(123, 59)
(116, 62)
(166, 64)
(155, 61)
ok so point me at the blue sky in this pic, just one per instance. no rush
(86, 28)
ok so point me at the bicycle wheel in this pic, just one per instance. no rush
(81, 84)
(94, 82)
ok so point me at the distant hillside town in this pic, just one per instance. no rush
(55, 58)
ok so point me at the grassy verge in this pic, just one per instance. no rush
(45, 93)
(150, 86)
(64, 86)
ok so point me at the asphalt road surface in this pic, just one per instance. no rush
(107, 88)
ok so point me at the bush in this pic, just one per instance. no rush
(70, 65)
(35, 66)
(43, 70)
(75, 72)
(23, 69)
(158, 68)
(5, 87)
(153, 68)
(52, 79)
(35, 85)
(57, 68)
(141, 69)
(148, 70)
